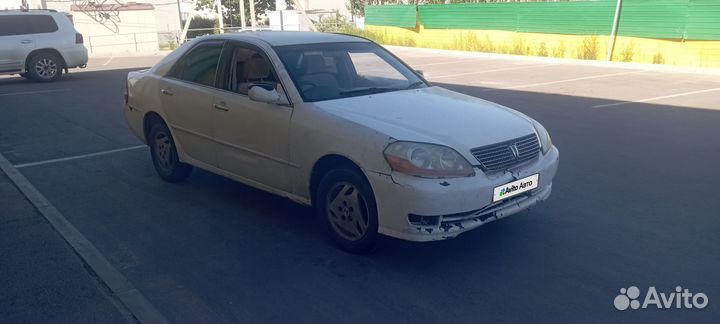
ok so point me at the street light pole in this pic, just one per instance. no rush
(220, 16)
(252, 15)
(179, 13)
(242, 14)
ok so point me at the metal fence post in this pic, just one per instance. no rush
(135, 38)
(613, 33)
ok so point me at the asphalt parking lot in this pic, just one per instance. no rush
(634, 203)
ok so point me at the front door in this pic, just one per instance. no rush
(252, 136)
(16, 42)
(187, 97)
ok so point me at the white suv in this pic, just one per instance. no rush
(39, 45)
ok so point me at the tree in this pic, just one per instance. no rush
(356, 7)
(231, 9)
(205, 25)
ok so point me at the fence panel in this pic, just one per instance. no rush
(391, 15)
(498, 16)
(575, 18)
(664, 19)
(703, 20)
(653, 18)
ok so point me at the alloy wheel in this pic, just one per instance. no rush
(347, 211)
(163, 151)
(46, 68)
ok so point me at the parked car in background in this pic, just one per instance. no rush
(338, 122)
(39, 44)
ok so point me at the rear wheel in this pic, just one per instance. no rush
(44, 67)
(164, 155)
(346, 205)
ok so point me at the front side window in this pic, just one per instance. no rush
(199, 65)
(13, 25)
(329, 71)
(249, 67)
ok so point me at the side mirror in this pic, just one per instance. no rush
(260, 94)
(422, 74)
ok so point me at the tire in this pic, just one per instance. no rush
(44, 67)
(347, 208)
(25, 75)
(164, 155)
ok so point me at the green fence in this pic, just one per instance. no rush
(392, 15)
(667, 19)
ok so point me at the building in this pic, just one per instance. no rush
(167, 15)
(284, 19)
(114, 28)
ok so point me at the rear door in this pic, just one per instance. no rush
(187, 97)
(16, 42)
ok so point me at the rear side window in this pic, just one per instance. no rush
(199, 65)
(26, 24)
(42, 24)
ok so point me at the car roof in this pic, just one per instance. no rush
(280, 38)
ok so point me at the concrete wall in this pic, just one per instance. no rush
(332, 5)
(167, 20)
(137, 32)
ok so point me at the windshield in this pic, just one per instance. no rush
(328, 71)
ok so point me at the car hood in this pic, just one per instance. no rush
(433, 115)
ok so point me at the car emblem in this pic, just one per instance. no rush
(515, 152)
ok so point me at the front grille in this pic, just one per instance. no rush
(500, 156)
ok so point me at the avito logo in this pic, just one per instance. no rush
(512, 188)
(680, 299)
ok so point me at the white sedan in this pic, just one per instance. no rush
(339, 123)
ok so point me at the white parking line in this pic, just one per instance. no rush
(108, 61)
(656, 98)
(25, 165)
(568, 80)
(528, 66)
(31, 92)
(446, 62)
(131, 298)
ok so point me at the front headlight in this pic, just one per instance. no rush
(427, 160)
(545, 140)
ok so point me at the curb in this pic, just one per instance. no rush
(122, 289)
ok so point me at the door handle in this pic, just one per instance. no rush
(167, 92)
(25, 41)
(221, 107)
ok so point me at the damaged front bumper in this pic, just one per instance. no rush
(419, 209)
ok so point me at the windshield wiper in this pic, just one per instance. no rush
(415, 85)
(368, 90)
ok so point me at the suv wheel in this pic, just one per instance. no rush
(346, 205)
(44, 67)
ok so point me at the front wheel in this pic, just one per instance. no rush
(164, 155)
(346, 205)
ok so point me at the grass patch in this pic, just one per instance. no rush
(658, 58)
(588, 50)
(626, 55)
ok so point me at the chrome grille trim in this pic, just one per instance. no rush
(499, 156)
